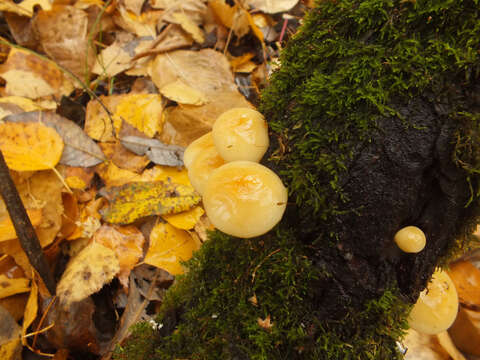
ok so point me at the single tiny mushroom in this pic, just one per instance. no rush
(410, 239)
(437, 306)
(244, 199)
(201, 158)
(241, 134)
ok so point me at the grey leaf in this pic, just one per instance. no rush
(156, 151)
(79, 150)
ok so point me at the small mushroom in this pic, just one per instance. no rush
(410, 239)
(241, 134)
(201, 158)
(437, 306)
(244, 199)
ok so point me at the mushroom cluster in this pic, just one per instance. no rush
(241, 197)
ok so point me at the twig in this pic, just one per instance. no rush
(23, 227)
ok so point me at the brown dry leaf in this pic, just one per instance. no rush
(188, 122)
(31, 146)
(10, 332)
(13, 286)
(182, 93)
(112, 175)
(88, 221)
(207, 71)
(7, 231)
(272, 6)
(63, 34)
(13, 248)
(232, 17)
(465, 331)
(79, 149)
(98, 124)
(15, 305)
(126, 242)
(69, 216)
(202, 226)
(185, 220)
(117, 57)
(466, 278)
(22, 30)
(136, 200)
(140, 25)
(143, 111)
(124, 158)
(29, 75)
(9, 109)
(266, 323)
(86, 273)
(31, 310)
(78, 177)
(156, 151)
(24, 8)
(169, 247)
(189, 26)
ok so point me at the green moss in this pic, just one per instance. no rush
(342, 74)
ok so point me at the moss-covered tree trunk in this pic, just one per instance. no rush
(374, 119)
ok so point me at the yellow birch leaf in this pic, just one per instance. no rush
(185, 220)
(13, 286)
(25, 103)
(112, 175)
(30, 146)
(74, 182)
(31, 309)
(7, 231)
(167, 173)
(87, 272)
(143, 111)
(135, 200)
(190, 27)
(168, 247)
(182, 93)
(11, 350)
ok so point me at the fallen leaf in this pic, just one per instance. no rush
(86, 273)
(143, 111)
(465, 331)
(69, 216)
(169, 247)
(182, 93)
(31, 309)
(134, 6)
(13, 286)
(7, 231)
(168, 174)
(9, 109)
(10, 332)
(466, 278)
(272, 6)
(31, 76)
(126, 242)
(189, 26)
(122, 157)
(79, 149)
(98, 125)
(185, 220)
(156, 151)
(15, 305)
(24, 8)
(31, 146)
(64, 36)
(266, 323)
(232, 17)
(139, 199)
(112, 175)
(25, 103)
(141, 25)
(78, 177)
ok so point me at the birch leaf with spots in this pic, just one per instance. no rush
(135, 200)
(28, 147)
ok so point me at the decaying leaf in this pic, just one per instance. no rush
(182, 93)
(31, 76)
(122, 157)
(87, 272)
(185, 220)
(169, 247)
(13, 286)
(31, 309)
(63, 34)
(126, 242)
(31, 146)
(139, 199)
(98, 125)
(24, 103)
(232, 17)
(141, 25)
(7, 231)
(166, 173)
(266, 323)
(79, 149)
(10, 332)
(24, 8)
(189, 26)
(9, 109)
(156, 151)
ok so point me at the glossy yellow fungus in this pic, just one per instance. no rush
(410, 239)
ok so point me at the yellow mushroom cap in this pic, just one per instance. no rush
(436, 307)
(410, 239)
(201, 158)
(244, 199)
(241, 134)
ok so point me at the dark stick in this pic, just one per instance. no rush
(23, 227)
